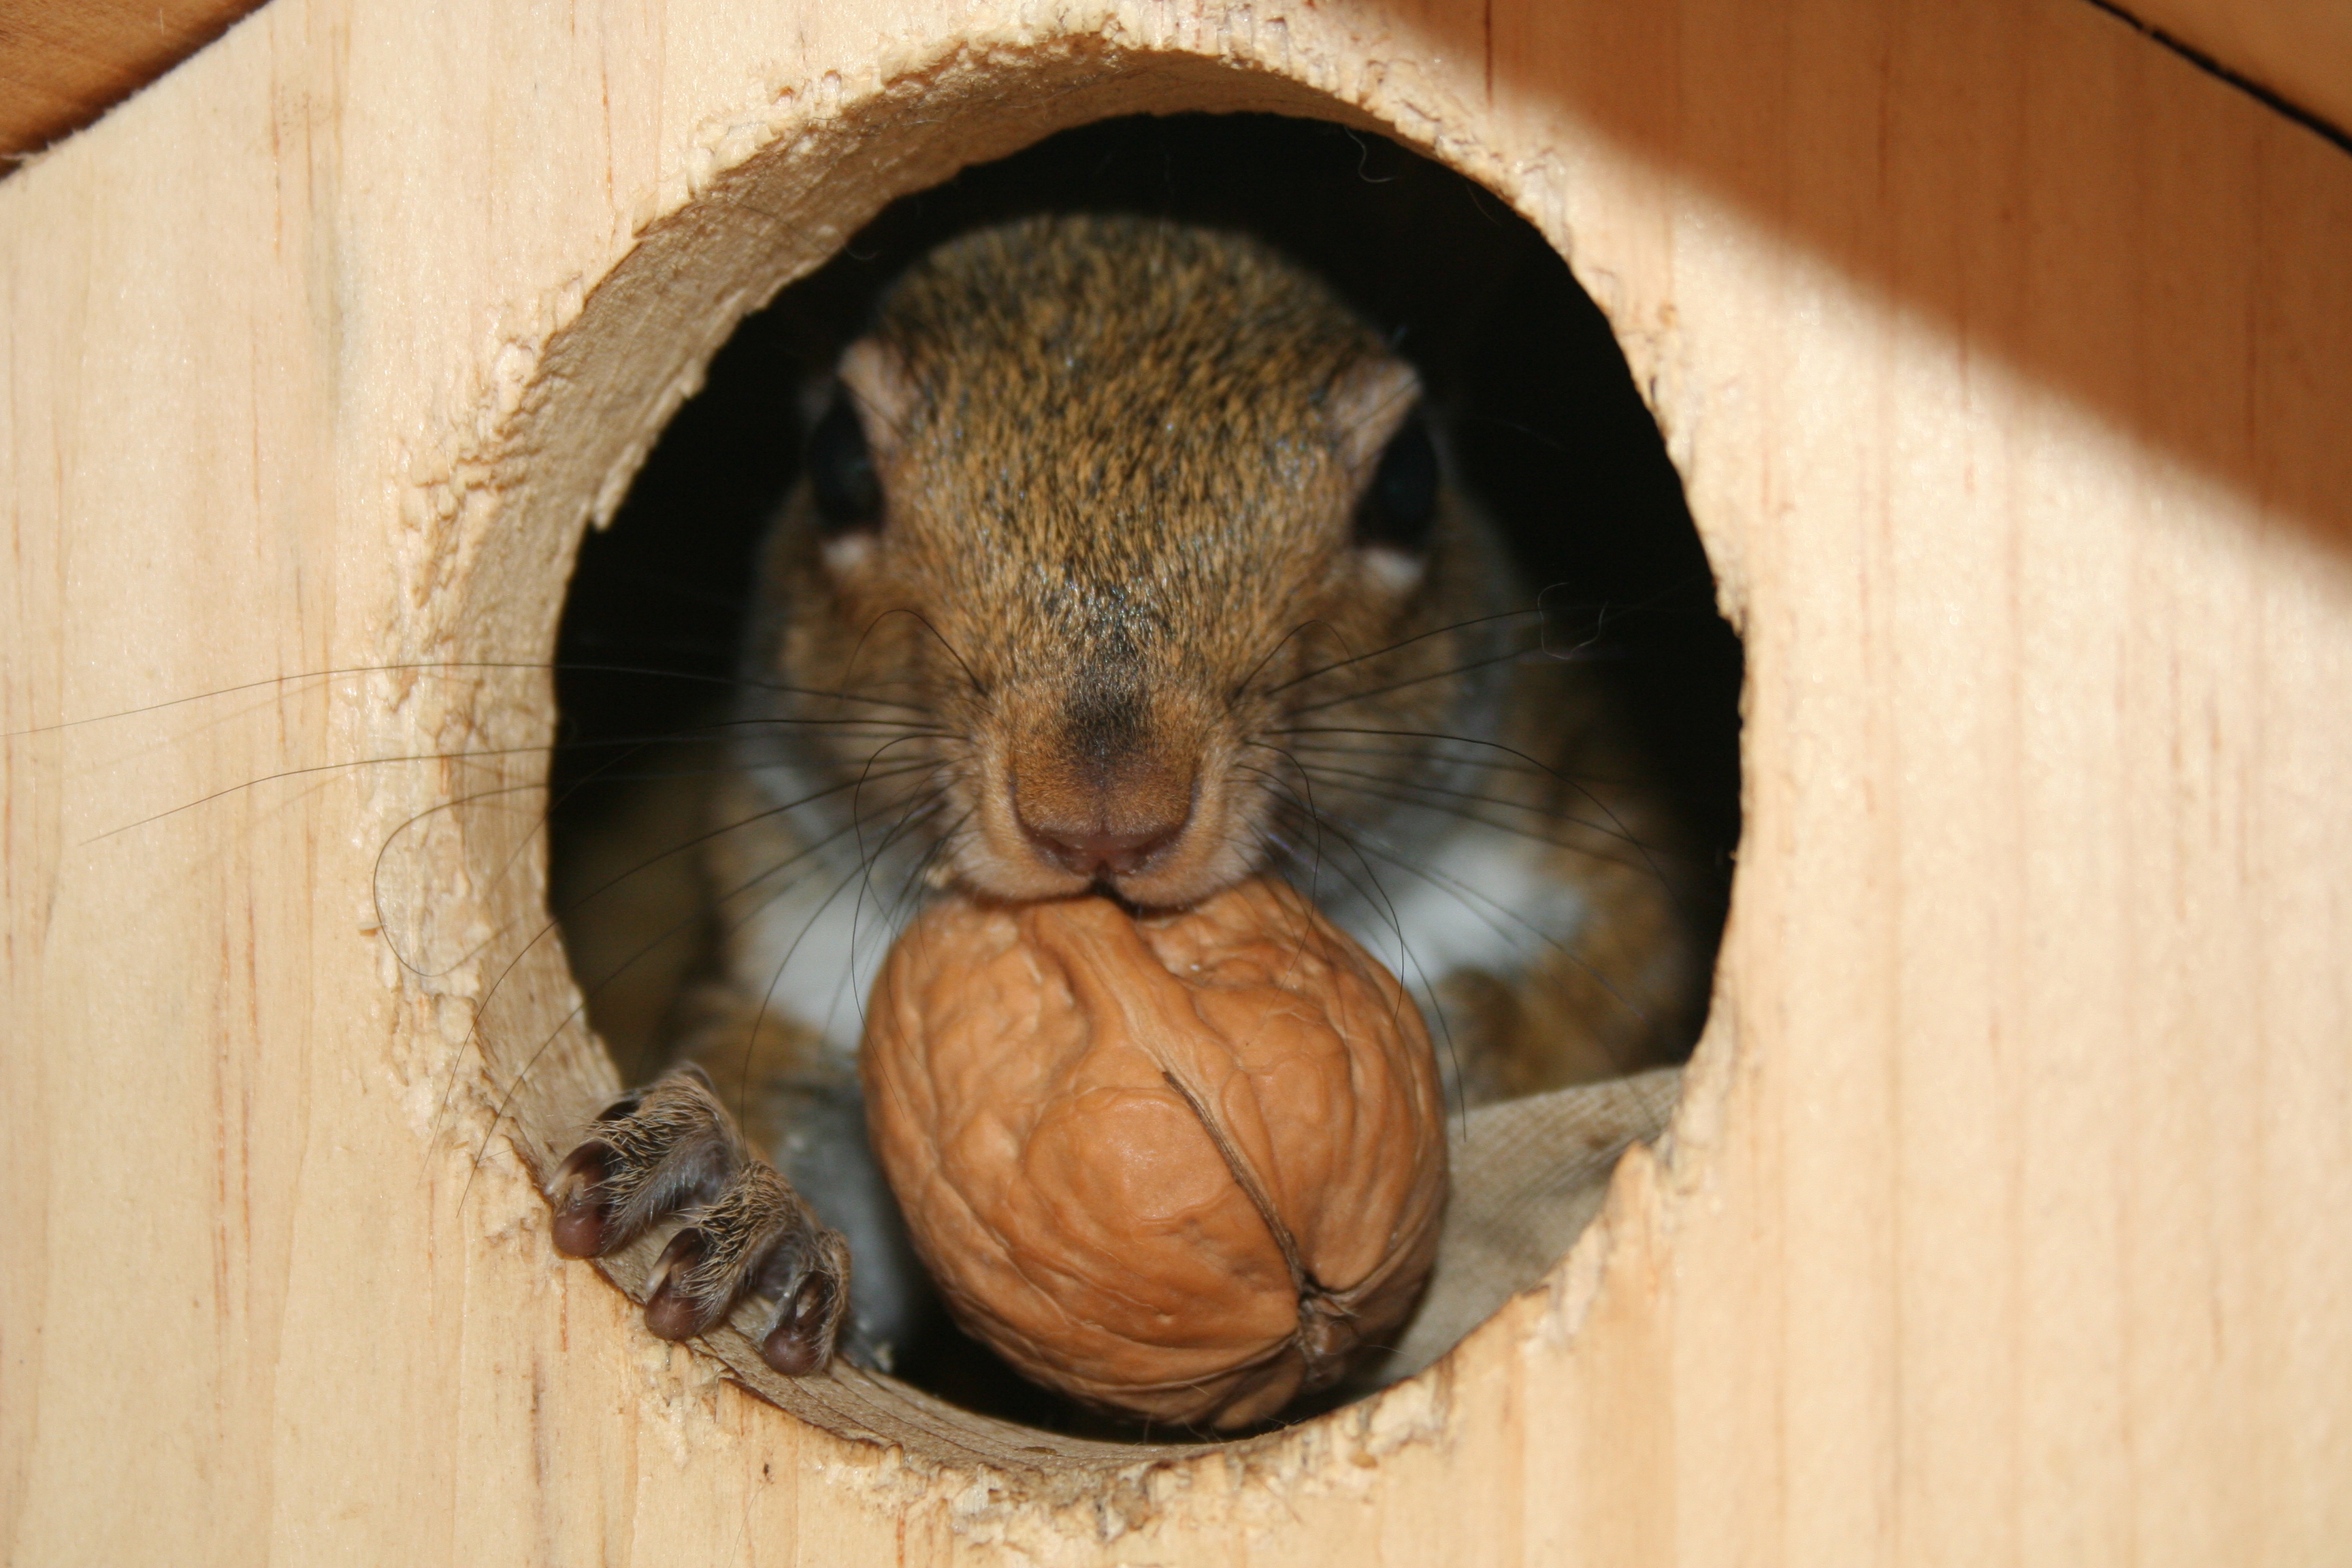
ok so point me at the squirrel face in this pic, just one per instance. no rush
(1102, 514)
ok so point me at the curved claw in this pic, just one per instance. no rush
(673, 1309)
(671, 1151)
(583, 1219)
(801, 1341)
(624, 1108)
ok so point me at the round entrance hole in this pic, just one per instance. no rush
(1538, 423)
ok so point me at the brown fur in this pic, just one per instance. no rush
(1115, 594)
(1116, 540)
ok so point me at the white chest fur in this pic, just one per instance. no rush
(1479, 897)
(818, 946)
(1476, 898)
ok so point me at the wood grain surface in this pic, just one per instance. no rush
(63, 63)
(2299, 49)
(2006, 357)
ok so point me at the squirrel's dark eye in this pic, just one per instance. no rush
(1402, 500)
(841, 472)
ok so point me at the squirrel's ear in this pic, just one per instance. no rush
(842, 481)
(876, 379)
(1399, 507)
(1383, 440)
(1366, 406)
(855, 428)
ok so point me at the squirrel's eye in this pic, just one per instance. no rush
(1402, 500)
(841, 472)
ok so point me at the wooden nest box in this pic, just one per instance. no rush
(2006, 356)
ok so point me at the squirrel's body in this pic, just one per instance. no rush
(1127, 556)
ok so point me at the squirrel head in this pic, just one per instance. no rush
(1100, 516)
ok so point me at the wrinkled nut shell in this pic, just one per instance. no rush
(1181, 1166)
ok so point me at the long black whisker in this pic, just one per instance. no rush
(1419, 754)
(909, 890)
(455, 667)
(601, 774)
(939, 636)
(1575, 783)
(1465, 892)
(914, 814)
(1403, 795)
(471, 754)
(868, 862)
(1498, 766)
(304, 772)
(1376, 897)
(1329, 771)
(1385, 905)
(1403, 643)
(375, 881)
(1508, 656)
(764, 814)
(522, 1074)
(917, 811)
(530, 1063)
(1280, 643)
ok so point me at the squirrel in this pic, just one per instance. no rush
(1125, 555)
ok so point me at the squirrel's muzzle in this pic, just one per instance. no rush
(1100, 822)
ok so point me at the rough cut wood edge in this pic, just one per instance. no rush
(2005, 360)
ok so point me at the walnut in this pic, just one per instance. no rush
(1181, 1166)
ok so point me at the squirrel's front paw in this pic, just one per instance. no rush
(748, 1241)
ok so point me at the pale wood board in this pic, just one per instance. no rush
(2006, 356)
(63, 63)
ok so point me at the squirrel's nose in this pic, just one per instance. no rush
(1098, 825)
(1097, 850)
